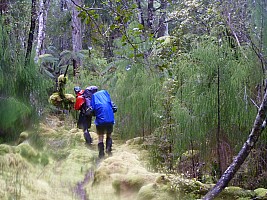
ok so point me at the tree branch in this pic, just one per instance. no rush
(233, 32)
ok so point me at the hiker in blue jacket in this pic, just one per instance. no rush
(103, 109)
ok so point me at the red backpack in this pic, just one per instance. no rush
(79, 100)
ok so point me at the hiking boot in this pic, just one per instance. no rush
(87, 137)
(109, 146)
(101, 150)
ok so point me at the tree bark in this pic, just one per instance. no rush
(258, 127)
(76, 34)
(3, 6)
(218, 133)
(31, 32)
(44, 6)
(140, 14)
(150, 15)
(163, 25)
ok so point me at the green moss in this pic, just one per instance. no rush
(28, 152)
(156, 192)
(162, 180)
(99, 176)
(135, 141)
(261, 192)
(22, 137)
(147, 192)
(192, 186)
(4, 149)
(116, 185)
(189, 154)
(236, 193)
(44, 159)
(129, 182)
(135, 181)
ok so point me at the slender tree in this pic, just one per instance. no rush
(150, 15)
(76, 34)
(31, 32)
(140, 13)
(163, 25)
(3, 6)
(44, 6)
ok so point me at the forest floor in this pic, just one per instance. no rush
(55, 163)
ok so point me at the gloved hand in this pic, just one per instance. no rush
(89, 111)
(114, 107)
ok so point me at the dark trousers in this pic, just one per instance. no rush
(84, 122)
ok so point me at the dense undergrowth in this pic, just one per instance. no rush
(192, 99)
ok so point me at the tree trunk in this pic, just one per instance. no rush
(3, 6)
(140, 13)
(31, 32)
(150, 15)
(63, 5)
(108, 50)
(218, 133)
(44, 6)
(258, 127)
(163, 25)
(76, 34)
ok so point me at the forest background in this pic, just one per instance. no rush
(187, 76)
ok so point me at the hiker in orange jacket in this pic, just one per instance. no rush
(84, 121)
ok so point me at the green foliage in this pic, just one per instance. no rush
(23, 89)
(132, 46)
(16, 23)
(33, 156)
(259, 26)
(135, 94)
(213, 89)
(193, 19)
(13, 113)
(161, 143)
(36, 140)
(58, 29)
(48, 65)
(52, 65)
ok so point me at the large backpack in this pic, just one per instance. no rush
(79, 100)
(102, 107)
(87, 95)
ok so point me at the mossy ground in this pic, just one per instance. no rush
(55, 163)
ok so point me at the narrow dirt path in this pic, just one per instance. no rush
(80, 187)
(122, 176)
(118, 177)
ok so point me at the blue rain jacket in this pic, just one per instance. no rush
(102, 108)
